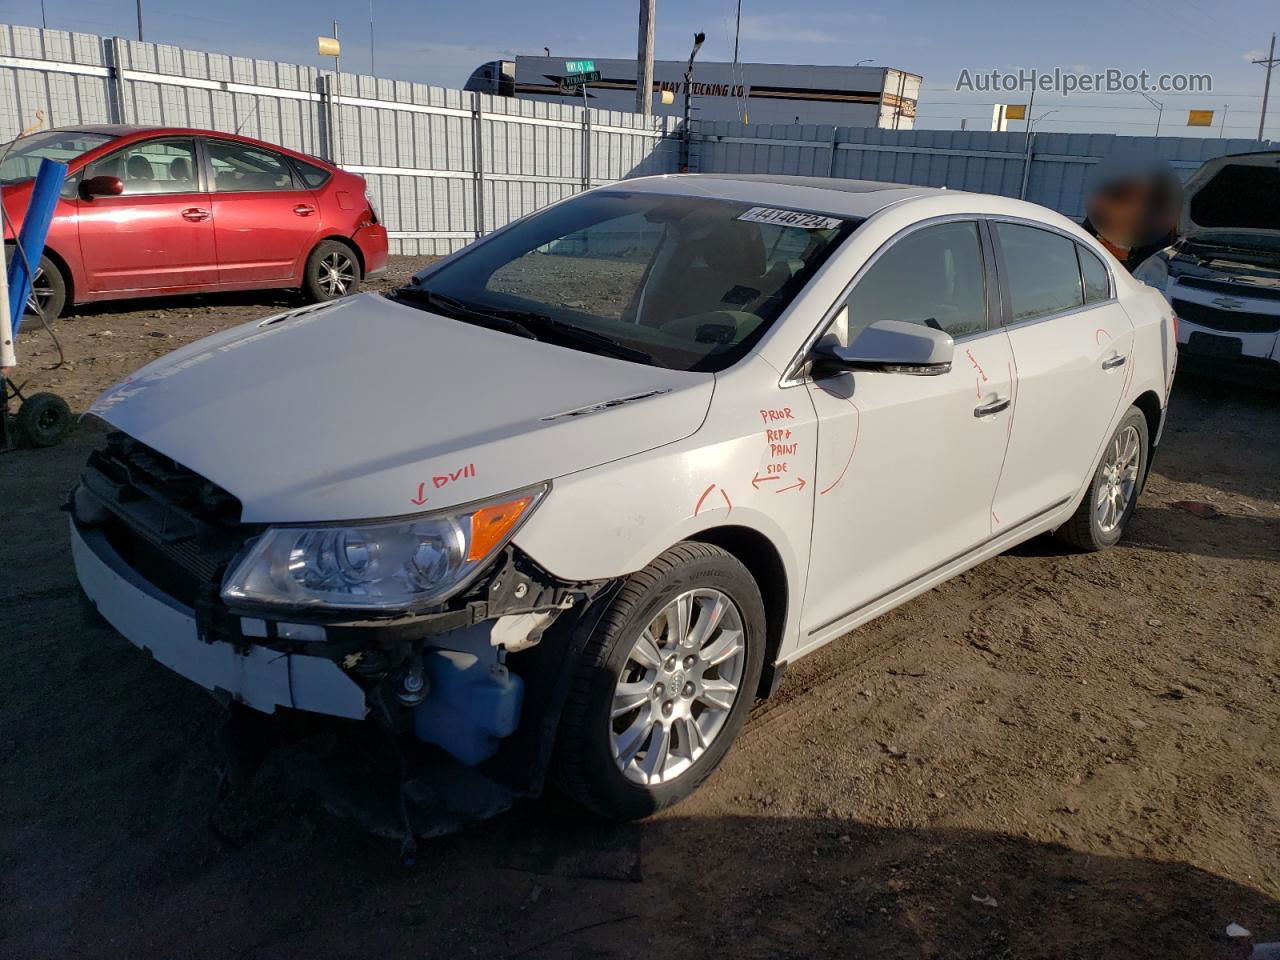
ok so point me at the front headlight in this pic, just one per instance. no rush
(396, 565)
(1153, 271)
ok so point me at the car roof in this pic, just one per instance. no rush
(131, 130)
(854, 198)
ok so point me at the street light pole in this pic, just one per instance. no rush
(685, 140)
(1160, 107)
(139, 5)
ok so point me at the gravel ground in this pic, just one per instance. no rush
(1053, 755)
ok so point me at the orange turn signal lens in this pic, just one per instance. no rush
(490, 525)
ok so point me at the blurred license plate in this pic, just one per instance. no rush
(1212, 345)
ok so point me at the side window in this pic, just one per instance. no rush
(1097, 282)
(1043, 273)
(239, 169)
(933, 277)
(311, 175)
(154, 166)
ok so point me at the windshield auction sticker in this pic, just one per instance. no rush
(790, 218)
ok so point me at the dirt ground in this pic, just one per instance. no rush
(1054, 755)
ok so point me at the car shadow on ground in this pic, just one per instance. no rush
(1239, 535)
(552, 883)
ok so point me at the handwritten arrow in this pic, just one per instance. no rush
(794, 486)
(757, 480)
(421, 498)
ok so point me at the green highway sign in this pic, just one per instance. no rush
(579, 66)
(580, 79)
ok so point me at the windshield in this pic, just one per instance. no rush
(683, 282)
(23, 157)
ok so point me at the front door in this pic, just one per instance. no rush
(1072, 345)
(158, 233)
(264, 220)
(908, 464)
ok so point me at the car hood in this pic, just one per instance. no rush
(367, 408)
(1221, 196)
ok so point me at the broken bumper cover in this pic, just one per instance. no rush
(254, 675)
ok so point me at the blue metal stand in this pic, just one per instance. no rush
(35, 228)
(22, 266)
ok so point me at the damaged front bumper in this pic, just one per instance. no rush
(255, 675)
(463, 676)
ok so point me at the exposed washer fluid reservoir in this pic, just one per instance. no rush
(471, 704)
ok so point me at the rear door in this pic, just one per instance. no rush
(1072, 344)
(264, 218)
(159, 232)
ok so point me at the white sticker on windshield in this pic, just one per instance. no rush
(790, 218)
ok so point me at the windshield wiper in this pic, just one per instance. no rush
(546, 325)
(462, 311)
(526, 323)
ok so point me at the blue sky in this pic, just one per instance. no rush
(441, 42)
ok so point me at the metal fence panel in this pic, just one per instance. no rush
(446, 165)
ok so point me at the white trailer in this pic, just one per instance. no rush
(746, 92)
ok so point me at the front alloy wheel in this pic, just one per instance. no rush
(681, 680)
(663, 684)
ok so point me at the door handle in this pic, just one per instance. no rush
(304, 210)
(1112, 362)
(995, 406)
(195, 214)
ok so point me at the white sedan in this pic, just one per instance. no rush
(573, 498)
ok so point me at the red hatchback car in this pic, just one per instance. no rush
(150, 211)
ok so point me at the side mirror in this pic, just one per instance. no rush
(890, 346)
(101, 187)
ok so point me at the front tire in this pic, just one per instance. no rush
(1099, 521)
(664, 685)
(48, 291)
(332, 271)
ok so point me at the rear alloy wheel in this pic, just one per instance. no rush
(664, 684)
(332, 272)
(1112, 497)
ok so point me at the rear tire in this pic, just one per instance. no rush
(1099, 521)
(332, 272)
(43, 419)
(662, 688)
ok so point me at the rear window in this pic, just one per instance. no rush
(311, 175)
(1239, 195)
(1097, 282)
(1044, 275)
